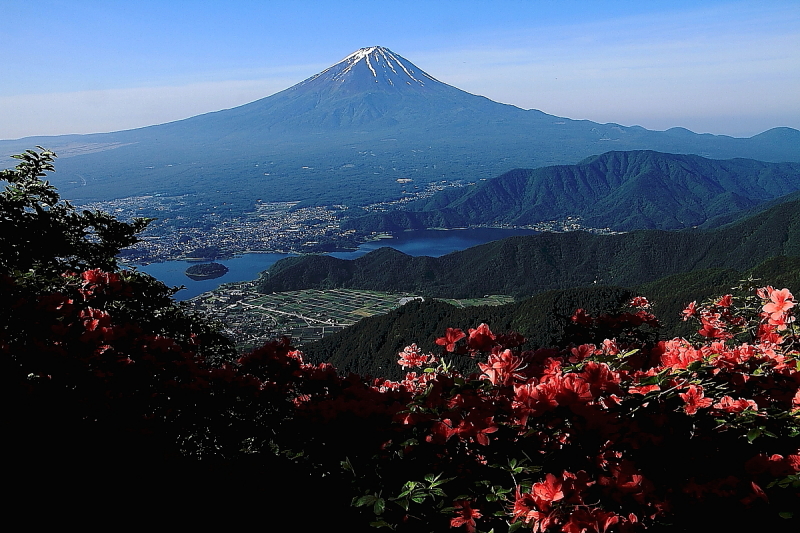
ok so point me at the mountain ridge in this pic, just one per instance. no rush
(319, 144)
(640, 189)
(523, 266)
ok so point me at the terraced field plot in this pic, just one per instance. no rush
(251, 318)
(341, 307)
(490, 299)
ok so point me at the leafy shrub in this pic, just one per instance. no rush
(612, 430)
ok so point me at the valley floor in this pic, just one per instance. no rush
(251, 318)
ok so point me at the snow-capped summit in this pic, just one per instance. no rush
(376, 66)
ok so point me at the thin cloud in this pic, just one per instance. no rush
(120, 109)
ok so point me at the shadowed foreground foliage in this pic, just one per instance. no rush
(124, 405)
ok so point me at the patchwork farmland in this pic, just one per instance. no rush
(250, 318)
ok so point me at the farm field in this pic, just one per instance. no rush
(335, 307)
(250, 318)
(489, 299)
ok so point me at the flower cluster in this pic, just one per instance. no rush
(619, 435)
(614, 432)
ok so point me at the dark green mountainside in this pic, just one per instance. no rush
(523, 266)
(371, 345)
(619, 190)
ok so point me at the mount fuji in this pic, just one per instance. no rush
(347, 135)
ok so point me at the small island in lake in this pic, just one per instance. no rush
(206, 271)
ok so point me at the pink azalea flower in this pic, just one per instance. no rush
(781, 302)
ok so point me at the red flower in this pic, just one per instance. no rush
(582, 352)
(690, 310)
(466, 515)
(97, 277)
(451, 337)
(410, 357)
(476, 429)
(548, 491)
(694, 399)
(782, 301)
(531, 400)
(595, 521)
(441, 431)
(679, 354)
(580, 317)
(95, 318)
(713, 327)
(501, 369)
(729, 405)
(610, 347)
(725, 301)
(642, 388)
(756, 494)
(524, 505)
(481, 338)
(573, 389)
(600, 377)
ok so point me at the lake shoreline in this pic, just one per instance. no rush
(248, 266)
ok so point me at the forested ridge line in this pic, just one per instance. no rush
(524, 266)
(371, 345)
(620, 190)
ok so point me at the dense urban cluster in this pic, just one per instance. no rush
(281, 227)
(272, 226)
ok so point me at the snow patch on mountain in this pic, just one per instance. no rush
(383, 64)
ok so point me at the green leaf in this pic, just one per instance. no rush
(695, 366)
(369, 499)
(515, 526)
(379, 506)
(753, 434)
(347, 466)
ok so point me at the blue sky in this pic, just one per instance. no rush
(711, 66)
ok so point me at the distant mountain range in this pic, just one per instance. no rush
(523, 266)
(346, 135)
(619, 190)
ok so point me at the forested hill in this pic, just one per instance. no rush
(620, 190)
(523, 266)
(371, 345)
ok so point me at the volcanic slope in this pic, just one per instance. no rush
(523, 266)
(619, 190)
(346, 135)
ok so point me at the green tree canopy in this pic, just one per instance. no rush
(40, 232)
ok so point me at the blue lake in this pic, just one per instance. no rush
(246, 267)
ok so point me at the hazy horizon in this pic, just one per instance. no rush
(719, 67)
